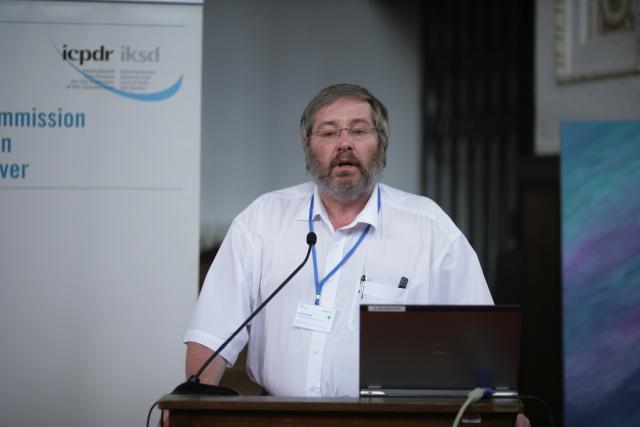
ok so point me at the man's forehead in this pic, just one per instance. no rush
(344, 109)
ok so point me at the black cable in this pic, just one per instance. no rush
(149, 414)
(543, 403)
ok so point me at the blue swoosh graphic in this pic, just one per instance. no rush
(156, 96)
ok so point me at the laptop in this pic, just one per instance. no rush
(426, 350)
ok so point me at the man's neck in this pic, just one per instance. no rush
(343, 213)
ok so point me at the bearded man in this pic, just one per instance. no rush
(370, 238)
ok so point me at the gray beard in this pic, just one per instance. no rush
(345, 191)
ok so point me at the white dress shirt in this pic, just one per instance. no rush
(410, 236)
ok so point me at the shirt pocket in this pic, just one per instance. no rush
(380, 293)
(375, 293)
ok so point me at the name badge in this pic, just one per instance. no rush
(314, 317)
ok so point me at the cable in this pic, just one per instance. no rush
(473, 396)
(150, 411)
(544, 404)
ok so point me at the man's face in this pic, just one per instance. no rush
(345, 167)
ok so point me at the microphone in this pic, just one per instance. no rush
(193, 384)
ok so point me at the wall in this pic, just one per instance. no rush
(263, 61)
(616, 98)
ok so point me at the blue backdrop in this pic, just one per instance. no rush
(601, 272)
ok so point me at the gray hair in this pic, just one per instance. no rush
(344, 90)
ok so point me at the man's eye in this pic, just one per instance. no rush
(358, 131)
(328, 133)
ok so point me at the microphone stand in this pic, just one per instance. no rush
(193, 384)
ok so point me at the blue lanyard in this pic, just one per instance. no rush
(320, 283)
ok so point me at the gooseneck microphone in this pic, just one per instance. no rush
(193, 384)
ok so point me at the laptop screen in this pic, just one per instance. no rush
(426, 350)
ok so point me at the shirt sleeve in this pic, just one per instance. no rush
(225, 300)
(456, 276)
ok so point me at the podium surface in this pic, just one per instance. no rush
(258, 411)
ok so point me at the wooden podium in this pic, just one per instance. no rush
(258, 411)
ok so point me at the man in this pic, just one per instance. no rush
(370, 237)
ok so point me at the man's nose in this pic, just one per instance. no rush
(344, 139)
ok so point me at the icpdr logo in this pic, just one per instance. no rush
(103, 54)
(119, 78)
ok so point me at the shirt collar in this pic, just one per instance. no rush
(368, 215)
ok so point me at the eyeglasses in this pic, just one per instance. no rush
(331, 135)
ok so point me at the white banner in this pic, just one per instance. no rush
(99, 202)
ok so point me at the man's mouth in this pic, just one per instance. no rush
(345, 164)
(346, 167)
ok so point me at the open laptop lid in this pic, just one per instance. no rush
(426, 350)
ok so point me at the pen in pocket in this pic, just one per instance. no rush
(363, 279)
(403, 282)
